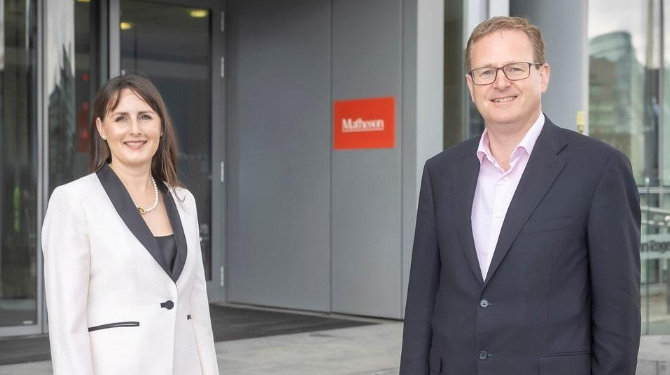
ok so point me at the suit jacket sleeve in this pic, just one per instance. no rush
(201, 320)
(613, 232)
(65, 244)
(423, 284)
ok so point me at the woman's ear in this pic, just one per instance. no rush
(101, 131)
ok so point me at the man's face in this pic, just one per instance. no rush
(505, 103)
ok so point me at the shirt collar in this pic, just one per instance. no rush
(527, 142)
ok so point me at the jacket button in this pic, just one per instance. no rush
(484, 303)
(483, 355)
(167, 304)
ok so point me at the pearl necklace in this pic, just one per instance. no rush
(144, 211)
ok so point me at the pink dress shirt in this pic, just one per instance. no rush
(494, 192)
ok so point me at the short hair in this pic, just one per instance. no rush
(494, 24)
(164, 162)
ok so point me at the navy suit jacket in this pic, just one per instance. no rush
(562, 295)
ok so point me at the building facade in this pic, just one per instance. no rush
(287, 219)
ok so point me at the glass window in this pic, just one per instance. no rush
(629, 108)
(623, 94)
(178, 62)
(455, 89)
(72, 77)
(86, 77)
(60, 92)
(18, 163)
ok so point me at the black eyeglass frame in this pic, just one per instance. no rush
(497, 68)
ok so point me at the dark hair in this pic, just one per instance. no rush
(164, 162)
(494, 24)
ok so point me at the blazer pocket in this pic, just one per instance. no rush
(435, 361)
(575, 363)
(549, 225)
(114, 325)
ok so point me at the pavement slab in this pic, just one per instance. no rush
(365, 350)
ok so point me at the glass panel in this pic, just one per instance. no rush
(623, 89)
(86, 64)
(71, 85)
(177, 60)
(661, 324)
(655, 255)
(629, 108)
(18, 163)
(665, 130)
(60, 89)
(455, 89)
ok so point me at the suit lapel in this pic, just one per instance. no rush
(464, 181)
(541, 171)
(131, 217)
(177, 229)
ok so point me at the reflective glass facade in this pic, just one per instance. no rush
(177, 60)
(629, 108)
(51, 66)
(18, 164)
(54, 55)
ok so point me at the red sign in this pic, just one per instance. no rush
(364, 123)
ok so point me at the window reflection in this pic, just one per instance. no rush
(18, 163)
(73, 74)
(627, 110)
(60, 91)
(616, 96)
(178, 62)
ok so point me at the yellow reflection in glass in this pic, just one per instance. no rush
(198, 13)
(126, 25)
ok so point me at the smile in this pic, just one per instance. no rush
(135, 145)
(504, 100)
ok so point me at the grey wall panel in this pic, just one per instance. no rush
(410, 187)
(564, 27)
(279, 142)
(423, 103)
(366, 184)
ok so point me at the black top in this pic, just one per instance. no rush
(168, 247)
(126, 209)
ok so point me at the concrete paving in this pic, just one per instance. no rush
(363, 350)
(367, 350)
(654, 357)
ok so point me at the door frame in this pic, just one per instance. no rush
(39, 325)
(216, 286)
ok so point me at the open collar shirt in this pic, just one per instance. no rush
(494, 191)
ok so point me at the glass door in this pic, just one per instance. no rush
(177, 44)
(19, 193)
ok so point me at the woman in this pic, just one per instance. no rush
(125, 283)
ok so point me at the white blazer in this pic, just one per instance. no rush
(114, 306)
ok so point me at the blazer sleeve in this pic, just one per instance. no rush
(613, 231)
(201, 320)
(423, 284)
(65, 245)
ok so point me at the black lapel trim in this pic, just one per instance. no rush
(542, 169)
(131, 217)
(177, 229)
(464, 181)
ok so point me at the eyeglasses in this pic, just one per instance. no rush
(513, 71)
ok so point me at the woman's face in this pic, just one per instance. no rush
(132, 131)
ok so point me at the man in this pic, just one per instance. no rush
(526, 252)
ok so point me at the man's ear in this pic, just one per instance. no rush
(545, 72)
